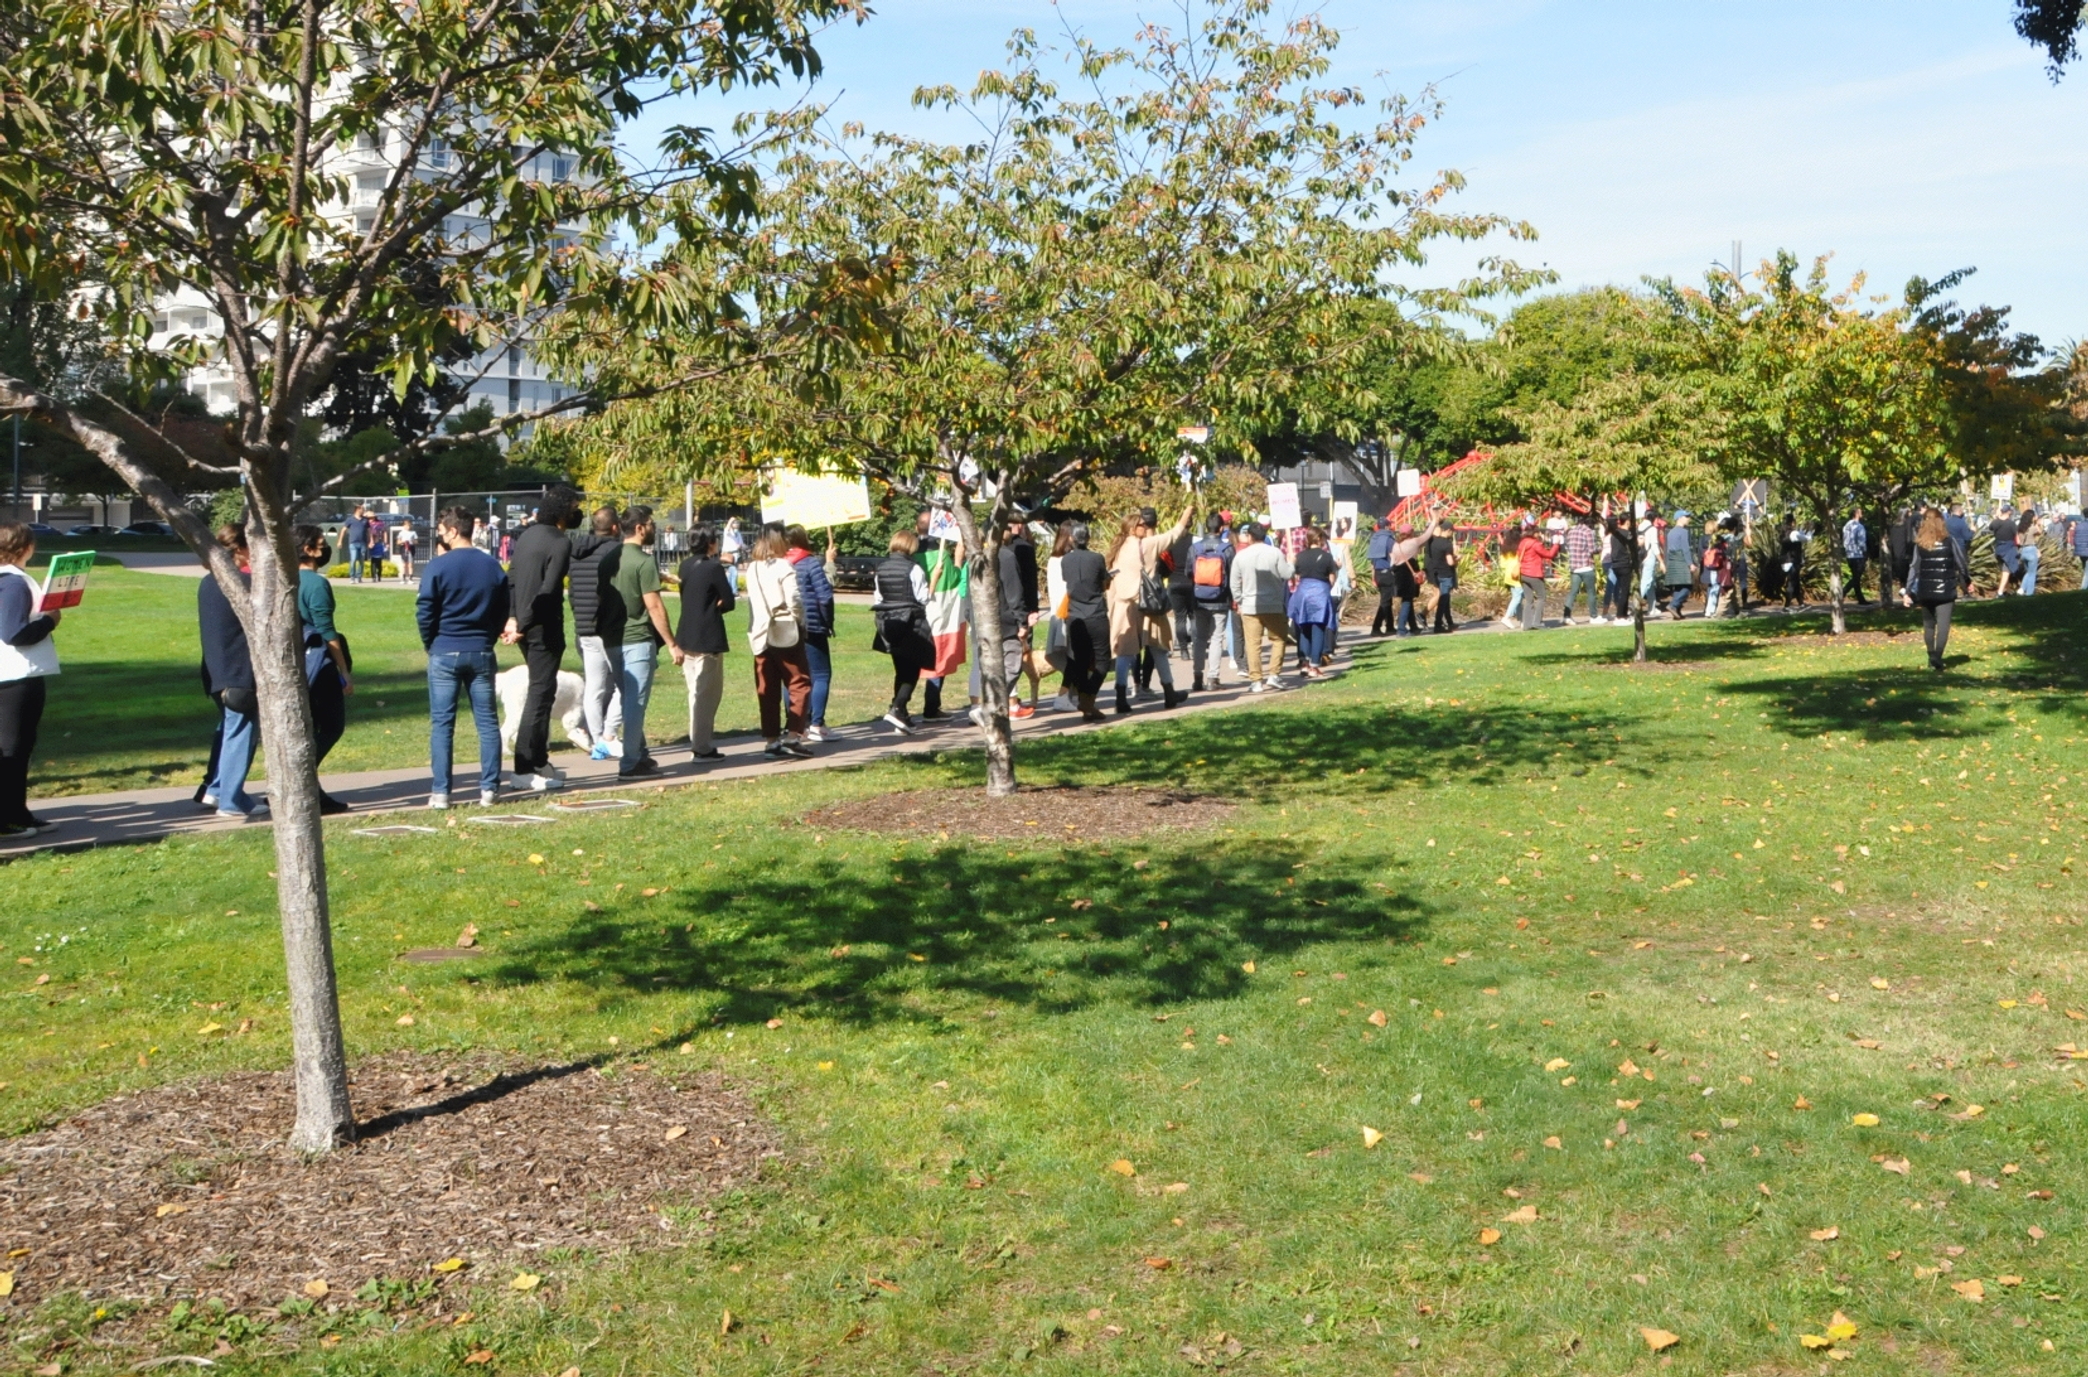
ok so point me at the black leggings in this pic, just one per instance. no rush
(21, 712)
(1087, 654)
(329, 711)
(1935, 629)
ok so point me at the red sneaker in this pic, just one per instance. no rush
(1021, 710)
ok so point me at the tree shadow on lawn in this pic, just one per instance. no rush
(877, 935)
(1330, 747)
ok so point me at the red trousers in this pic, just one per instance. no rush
(777, 674)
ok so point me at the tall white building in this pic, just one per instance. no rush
(507, 379)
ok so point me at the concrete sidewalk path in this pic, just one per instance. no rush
(399, 797)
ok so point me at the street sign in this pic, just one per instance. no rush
(1751, 492)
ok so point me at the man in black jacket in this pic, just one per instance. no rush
(228, 677)
(537, 566)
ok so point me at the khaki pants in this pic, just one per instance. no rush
(1275, 628)
(705, 676)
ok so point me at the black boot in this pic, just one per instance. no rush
(1123, 701)
(1172, 698)
(1196, 685)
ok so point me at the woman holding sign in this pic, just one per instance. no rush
(27, 657)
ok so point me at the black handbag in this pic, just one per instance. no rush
(1152, 595)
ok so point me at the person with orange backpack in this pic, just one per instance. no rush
(1210, 578)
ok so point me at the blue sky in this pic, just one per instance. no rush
(1643, 138)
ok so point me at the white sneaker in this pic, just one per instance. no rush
(545, 783)
(1258, 686)
(488, 797)
(977, 719)
(615, 749)
(1064, 703)
(438, 801)
(899, 724)
(1275, 685)
(818, 734)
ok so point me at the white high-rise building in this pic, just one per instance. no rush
(506, 379)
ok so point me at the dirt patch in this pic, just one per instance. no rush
(1661, 666)
(188, 1191)
(1067, 813)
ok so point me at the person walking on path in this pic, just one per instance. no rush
(2006, 553)
(537, 568)
(228, 677)
(2029, 529)
(633, 606)
(462, 610)
(1533, 557)
(2077, 540)
(1406, 588)
(1379, 552)
(1138, 601)
(1616, 567)
(327, 681)
(355, 534)
(1439, 560)
(1311, 605)
(403, 545)
(1181, 591)
(776, 635)
(1583, 546)
(706, 596)
(1791, 542)
(1855, 539)
(1087, 621)
(1261, 587)
(27, 658)
(599, 546)
(816, 594)
(1933, 580)
(899, 609)
(1899, 552)
(1210, 571)
(1679, 554)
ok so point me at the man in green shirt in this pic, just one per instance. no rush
(634, 626)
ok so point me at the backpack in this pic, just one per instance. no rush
(1207, 565)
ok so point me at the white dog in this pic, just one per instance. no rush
(511, 686)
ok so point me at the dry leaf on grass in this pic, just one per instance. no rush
(525, 1281)
(675, 1132)
(1864, 1120)
(316, 1289)
(1659, 1339)
(1971, 1290)
(1826, 1235)
(1488, 1237)
(1122, 1167)
(450, 1264)
(1371, 1137)
(1377, 1018)
(6, 1283)
(1159, 1264)
(479, 1358)
(1526, 1214)
(1898, 1165)
(1557, 1064)
(1554, 1144)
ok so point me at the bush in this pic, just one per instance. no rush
(340, 571)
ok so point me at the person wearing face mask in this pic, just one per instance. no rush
(27, 658)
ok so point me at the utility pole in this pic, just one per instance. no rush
(18, 468)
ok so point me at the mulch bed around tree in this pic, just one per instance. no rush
(188, 1191)
(1066, 813)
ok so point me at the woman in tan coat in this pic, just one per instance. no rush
(1133, 628)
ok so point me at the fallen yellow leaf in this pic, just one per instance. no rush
(1658, 1339)
(170, 1208)
(1247, 966)
(405, 1020)
(1557, 1064)
(1899, 1165)
(453, 1264)
(1629, 1104)
(1880, 983)
(1526, 1214)
(1815, 1341)
(677, 1131)
(1826, 1235)
(1371, 1137)
(524, 1281)
(1801, 1103)
(1174, 1187)
(6, 1283)
(1864, 1120)
(1122, 1167)
(479, 1358)
(2009, 1281)
(1971, 1290)
(1488, 1237)
(535, 859)
(209, 1028)
(316, 1288)
(1554, 1144)
(1841, 1327)
(1377, 1018)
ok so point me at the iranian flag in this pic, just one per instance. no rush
(948, 582)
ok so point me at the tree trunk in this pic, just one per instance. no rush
(267, 607)
(986, 618)
(319, 1059)
(1834, 596)
(1636, 597)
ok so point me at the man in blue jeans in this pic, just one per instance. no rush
(356, 536)
(462, 609)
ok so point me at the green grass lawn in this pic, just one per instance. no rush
(1789, 882)
(129, 712)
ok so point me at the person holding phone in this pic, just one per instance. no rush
(27, 658)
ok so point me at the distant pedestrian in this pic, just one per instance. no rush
(1583, 547)
(2029, 530)
(326, 662)
(1260, 587)
(706, 596)
(1791, 542)
(1210, 578)
(1406, 588)
(462, 610)
(596, 552)
(776, 635)
(1717, 563)
(355, 534)
(537, 567)
(633, 604)
(1680, 567)
(1378, 550)
(1139, 606)
(1086, 576)
(732, 544)
(1933, 581)
(27, 658)
(2077, 540)
(1439, 562)
(816, 595)
(1533, 557)
(228, 677)
(1855, 539)
(1311, 605)
(404, 544)
(2006, 553)
(1616, 567)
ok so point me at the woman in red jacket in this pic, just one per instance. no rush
(1533, 557)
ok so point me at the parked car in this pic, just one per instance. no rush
(89, 532)
(43, 530)
(855, 573)
(148, 528)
